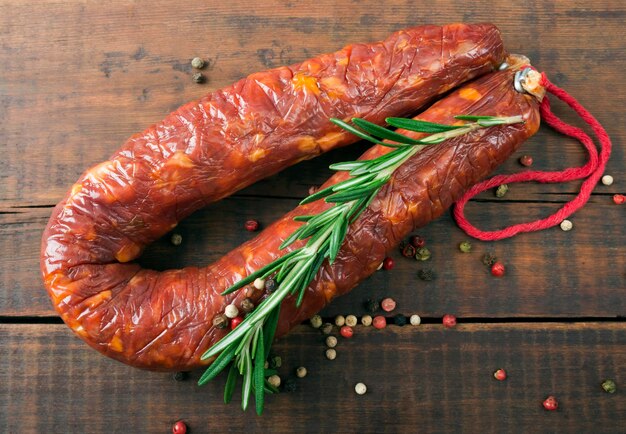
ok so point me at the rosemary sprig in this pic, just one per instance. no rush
(246, 348)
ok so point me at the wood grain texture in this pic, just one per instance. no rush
(581, 273)
(425, 379)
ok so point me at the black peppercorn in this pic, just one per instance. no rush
(427, 274)
(220, 321)
(408, 251)
(399, 320)
(270, 284)
(247, 305)
(275, 362)
(198, 77)
(371, 305)
(181, 376)
(326, 328)
(489, 259)
(290, 385)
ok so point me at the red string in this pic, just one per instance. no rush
(592, 170)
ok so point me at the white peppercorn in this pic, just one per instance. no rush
(340, 320)
(274, 380)
(301, 372)
(366, 320)
(197, 63)
(331, 342)
(231, 311)
(566, 225)
(415, 320)
(331, 354)
(351, 320)
(176, 239)
(360, 388)
(316, 321)
(607, 180)
(259, 283)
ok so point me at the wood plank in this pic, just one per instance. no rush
(117, 67)
(553, 273)
(425, 378)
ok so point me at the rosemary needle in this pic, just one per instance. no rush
(246, 348)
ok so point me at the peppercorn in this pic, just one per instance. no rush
(609, 386)
(198, 77)
(399, 320)
(607, 180)
(313, 189)
(497, 269)
(502, 190)
(379, 322)
(415, 320)
(270, 284)
(179, 427)
(275, 361)
(259, 283)
(351, 320)
(176, 239)
(290, 385)
(331, 354)
(408, 251)
(316, 321)
(465, 247)
(566, 225)
(500, 375)
(181, 376)
(235, 322)
(371, 305)
(247, 305)
(619, 199)
(346, 332)
(327, 328)
(274, 380)
(550, 403)
(417, 241)
(252, 225)
(388, 263)
(388, 304)
(360, 388)
(197, 63)
(449, 321)
(301, 372)
(526, 160)
(426, 275)
(220, 322)
(380, 267)
(231, 311)
(423, 254)
(489, 259)
(331, 342)
(340, 320)
(366, 320)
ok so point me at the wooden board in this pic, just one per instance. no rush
(424, 379)
(78, 78)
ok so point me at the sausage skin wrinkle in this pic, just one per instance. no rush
(208, 149)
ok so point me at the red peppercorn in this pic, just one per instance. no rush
(526, 160)
(388, 304)
(417, 241)
(619, 199)
(408, 251)
(550, 404)
(449, 321)
(252, 225)
(388, 263)
(497, 269)
(179, 428)
(235, 322)
(379, 322)
(500, 375)
(346, 331)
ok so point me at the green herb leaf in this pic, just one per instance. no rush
(420, 126)
(259, 377)
(216, 367)
(383, 133)
(231, 381)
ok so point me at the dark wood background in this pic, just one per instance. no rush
(78, 78)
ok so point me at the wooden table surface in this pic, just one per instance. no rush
(77, 78)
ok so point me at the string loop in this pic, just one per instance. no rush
(592, 170)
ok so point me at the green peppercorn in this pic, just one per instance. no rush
(609, 386)
(275, 362)
(371, 305)
(423, 254)
(326, 328)
(465, 247)
(221, 322)
(489, 259)
(198, 77)
(426, 274)
(399, 320)
(181, 376)
(270, 284)
(197, 63)
(176, 239)
(502, 190)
